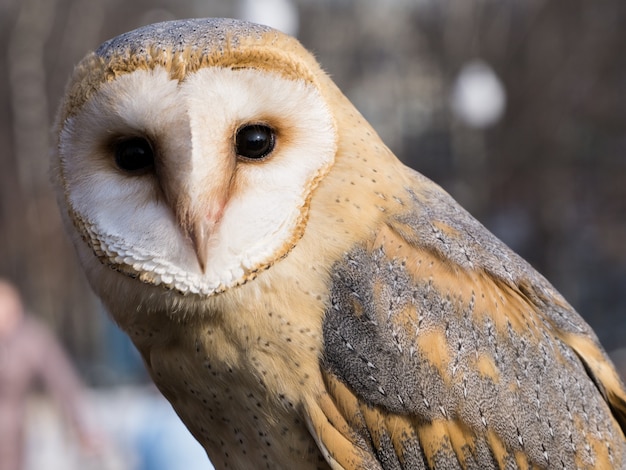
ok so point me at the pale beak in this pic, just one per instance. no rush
(198, 201)
(199, 234)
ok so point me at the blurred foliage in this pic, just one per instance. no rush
(549, 178)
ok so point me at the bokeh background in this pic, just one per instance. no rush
(517, 108)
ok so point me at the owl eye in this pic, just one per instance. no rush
(254, 141)
(134, 155)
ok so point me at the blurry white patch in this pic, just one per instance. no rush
(279, 14)
(478, 97)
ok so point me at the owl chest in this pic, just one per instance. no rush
(235, 402)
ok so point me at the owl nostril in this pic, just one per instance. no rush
(134, 155)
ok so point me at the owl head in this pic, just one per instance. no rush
(188, 152)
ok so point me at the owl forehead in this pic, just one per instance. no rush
(205, 35)
(184, 47)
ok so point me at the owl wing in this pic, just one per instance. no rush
(444, 349)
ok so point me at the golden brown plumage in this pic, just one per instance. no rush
(377, 326)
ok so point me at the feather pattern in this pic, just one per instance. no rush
(444, 349)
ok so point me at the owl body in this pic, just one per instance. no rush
(302, 298)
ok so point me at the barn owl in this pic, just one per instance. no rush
(302, 298)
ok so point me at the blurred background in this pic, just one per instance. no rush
(517, 108)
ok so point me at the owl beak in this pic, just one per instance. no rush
(199, 235)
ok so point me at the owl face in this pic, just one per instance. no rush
(193, 182)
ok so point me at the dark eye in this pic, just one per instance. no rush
(254, 141)
(134, 155)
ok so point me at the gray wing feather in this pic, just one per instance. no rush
(519, 394)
